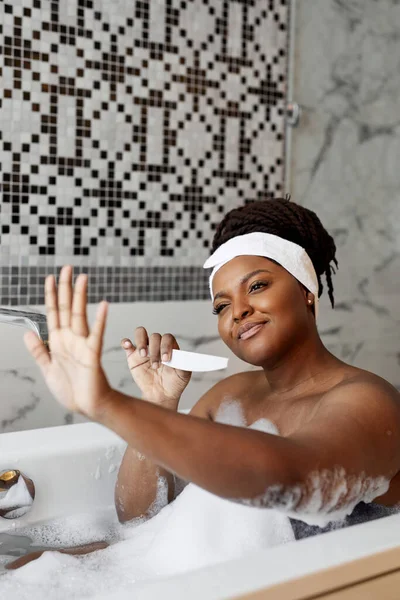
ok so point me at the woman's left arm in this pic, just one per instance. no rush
(348, 452)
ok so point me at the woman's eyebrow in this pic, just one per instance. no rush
(244, 280)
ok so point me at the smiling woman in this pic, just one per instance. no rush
(268, 259)
(333, 438)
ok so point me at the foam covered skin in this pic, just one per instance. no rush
(317, 500)
(309, 503)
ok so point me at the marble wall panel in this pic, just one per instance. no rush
(344, 165)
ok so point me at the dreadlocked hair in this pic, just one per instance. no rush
(290, 221)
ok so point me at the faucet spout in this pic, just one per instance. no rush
(30, 320)
(17, 493)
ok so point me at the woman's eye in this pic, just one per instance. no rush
(258, 285)
(218, 309)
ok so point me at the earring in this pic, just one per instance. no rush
(310, 301)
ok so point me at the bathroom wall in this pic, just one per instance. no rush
(344, 166)
(127, 129)
(26, 403)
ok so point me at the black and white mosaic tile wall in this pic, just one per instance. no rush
(127, 129)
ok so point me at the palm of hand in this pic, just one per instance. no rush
(74, 371)
(157, 385)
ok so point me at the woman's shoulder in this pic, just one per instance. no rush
(370, 383)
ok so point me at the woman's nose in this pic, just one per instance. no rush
(241, 312)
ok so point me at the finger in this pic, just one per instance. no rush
(95, 339)
(38, 350)
(154, 350)
(65, 296)
(168, 342)
(141, 341)
(128, 347)
(133, 358)
(50, 293)
(79, 324)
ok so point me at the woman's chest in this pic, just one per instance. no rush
(288, 416)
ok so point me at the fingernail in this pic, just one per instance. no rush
(127, 344)
(165, 357)
(143, 352)
(154, 366)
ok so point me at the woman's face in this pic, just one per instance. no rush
(255, 294)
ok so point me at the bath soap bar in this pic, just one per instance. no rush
(193, 361)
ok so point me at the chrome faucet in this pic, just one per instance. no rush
(17, 493)
(30, 320)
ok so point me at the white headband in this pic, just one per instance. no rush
(292, 257)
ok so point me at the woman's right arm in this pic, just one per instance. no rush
(143, 488)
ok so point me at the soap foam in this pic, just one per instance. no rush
(230, 412)
(161, 499)
(196, 530)
(75, 530)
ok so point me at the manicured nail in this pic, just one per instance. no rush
(165, 357)
(154, 366)
(143, 352)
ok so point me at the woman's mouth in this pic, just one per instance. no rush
(250, 332)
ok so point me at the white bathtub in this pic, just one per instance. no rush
(74, 469)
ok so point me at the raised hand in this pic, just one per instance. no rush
(72, 369)
(159, 384)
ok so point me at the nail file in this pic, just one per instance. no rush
(194, 361)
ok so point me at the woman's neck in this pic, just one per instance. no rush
(300, 370)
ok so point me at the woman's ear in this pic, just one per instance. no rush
(309, 297)
(309, 300)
